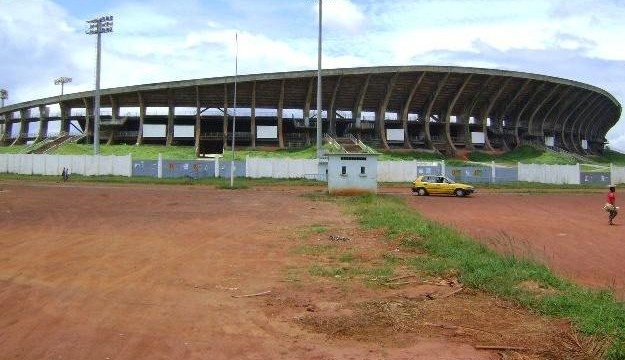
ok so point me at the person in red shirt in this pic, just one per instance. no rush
(610, 206)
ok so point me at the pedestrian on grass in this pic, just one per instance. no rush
(610, 206)
(65, 174)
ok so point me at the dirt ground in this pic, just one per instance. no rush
(157, 272)
(568, 232)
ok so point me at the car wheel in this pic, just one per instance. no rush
(459, 192)
(421, 192)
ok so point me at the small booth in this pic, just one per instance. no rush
(352, 173)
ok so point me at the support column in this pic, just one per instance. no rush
(306, 114)
(115, 117)
(198, 124)
(253, 116)
(487, 112)
(588, 131)
(22, 136)
(563, 95)
(530, 125)
(406, 109)
(8, 128)
(43, 123)
(280, 108)
(573, 102)
(225, 122)
(142, 109)
(170, 119)
(360, 100)
(381, 116)
(88, 131)
(576, 125)
(517, 120)
(428, 112)
(465, 116)
(510, 103)
(332, 110)
(64, 130)
(450, 108)
(587, 100)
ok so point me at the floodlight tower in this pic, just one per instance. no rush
(98, 27)
(3, 96)
(62, 81)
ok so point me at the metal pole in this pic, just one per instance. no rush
(319, 117)
(62, 88)
(96, 107)
(234, 117)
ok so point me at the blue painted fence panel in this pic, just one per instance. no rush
(224, 169)
(594, 178)
(504, 175)
(145, 168)
(468, 174)
(190, 168)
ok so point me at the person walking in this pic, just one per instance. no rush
(610, 206)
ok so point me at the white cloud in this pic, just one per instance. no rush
(342, 14)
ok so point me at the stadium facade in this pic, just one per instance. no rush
(448, 109)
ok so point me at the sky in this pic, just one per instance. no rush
(164, 40)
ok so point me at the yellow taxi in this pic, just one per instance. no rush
(440, 185)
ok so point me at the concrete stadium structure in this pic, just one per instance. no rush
(409, 107)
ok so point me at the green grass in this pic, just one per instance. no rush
(240, 183)
(143, 152)
(524, 154)
(591, 311)
(15, 149)
(610, 156)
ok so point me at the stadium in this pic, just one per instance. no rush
(414, 108)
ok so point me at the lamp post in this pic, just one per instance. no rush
(3, 96)
(62, 81)
(98, 27)
(234, 117)
(319, 117)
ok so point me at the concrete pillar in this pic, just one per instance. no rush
(517, 119)
(22, 136)
(511, 101)
(487, 113)
(530, 125)
(88, 116)
(450, 108)
(142, 109)
(358, 105)
(64, 119)
(405, 110)
(43, 123)
(578, 120)
(564, 111)
(587, 100)
(561, 97)
(225, 122)
(428, 112)
(198, 123)
(306, 114)
(253, 115)
(381, 113)
(8, 128)
(280, 108)
(170, 119)
(332, 109)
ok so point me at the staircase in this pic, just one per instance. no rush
(49, 145)
(349, 145)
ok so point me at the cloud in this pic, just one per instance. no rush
(342, 14)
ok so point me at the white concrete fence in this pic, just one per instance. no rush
(549, 174)
(281, 168)
(617, 174)
(42, 164)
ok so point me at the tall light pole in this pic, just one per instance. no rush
(234, 117)
(3, 96)
(62, 81)
(98, 27)
(319, 117)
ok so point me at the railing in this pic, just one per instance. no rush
(212, 136)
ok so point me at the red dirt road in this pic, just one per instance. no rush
(148, 272)
(568, 232)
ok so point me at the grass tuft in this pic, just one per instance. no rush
(446, 250)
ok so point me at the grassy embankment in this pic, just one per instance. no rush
(592, 312)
